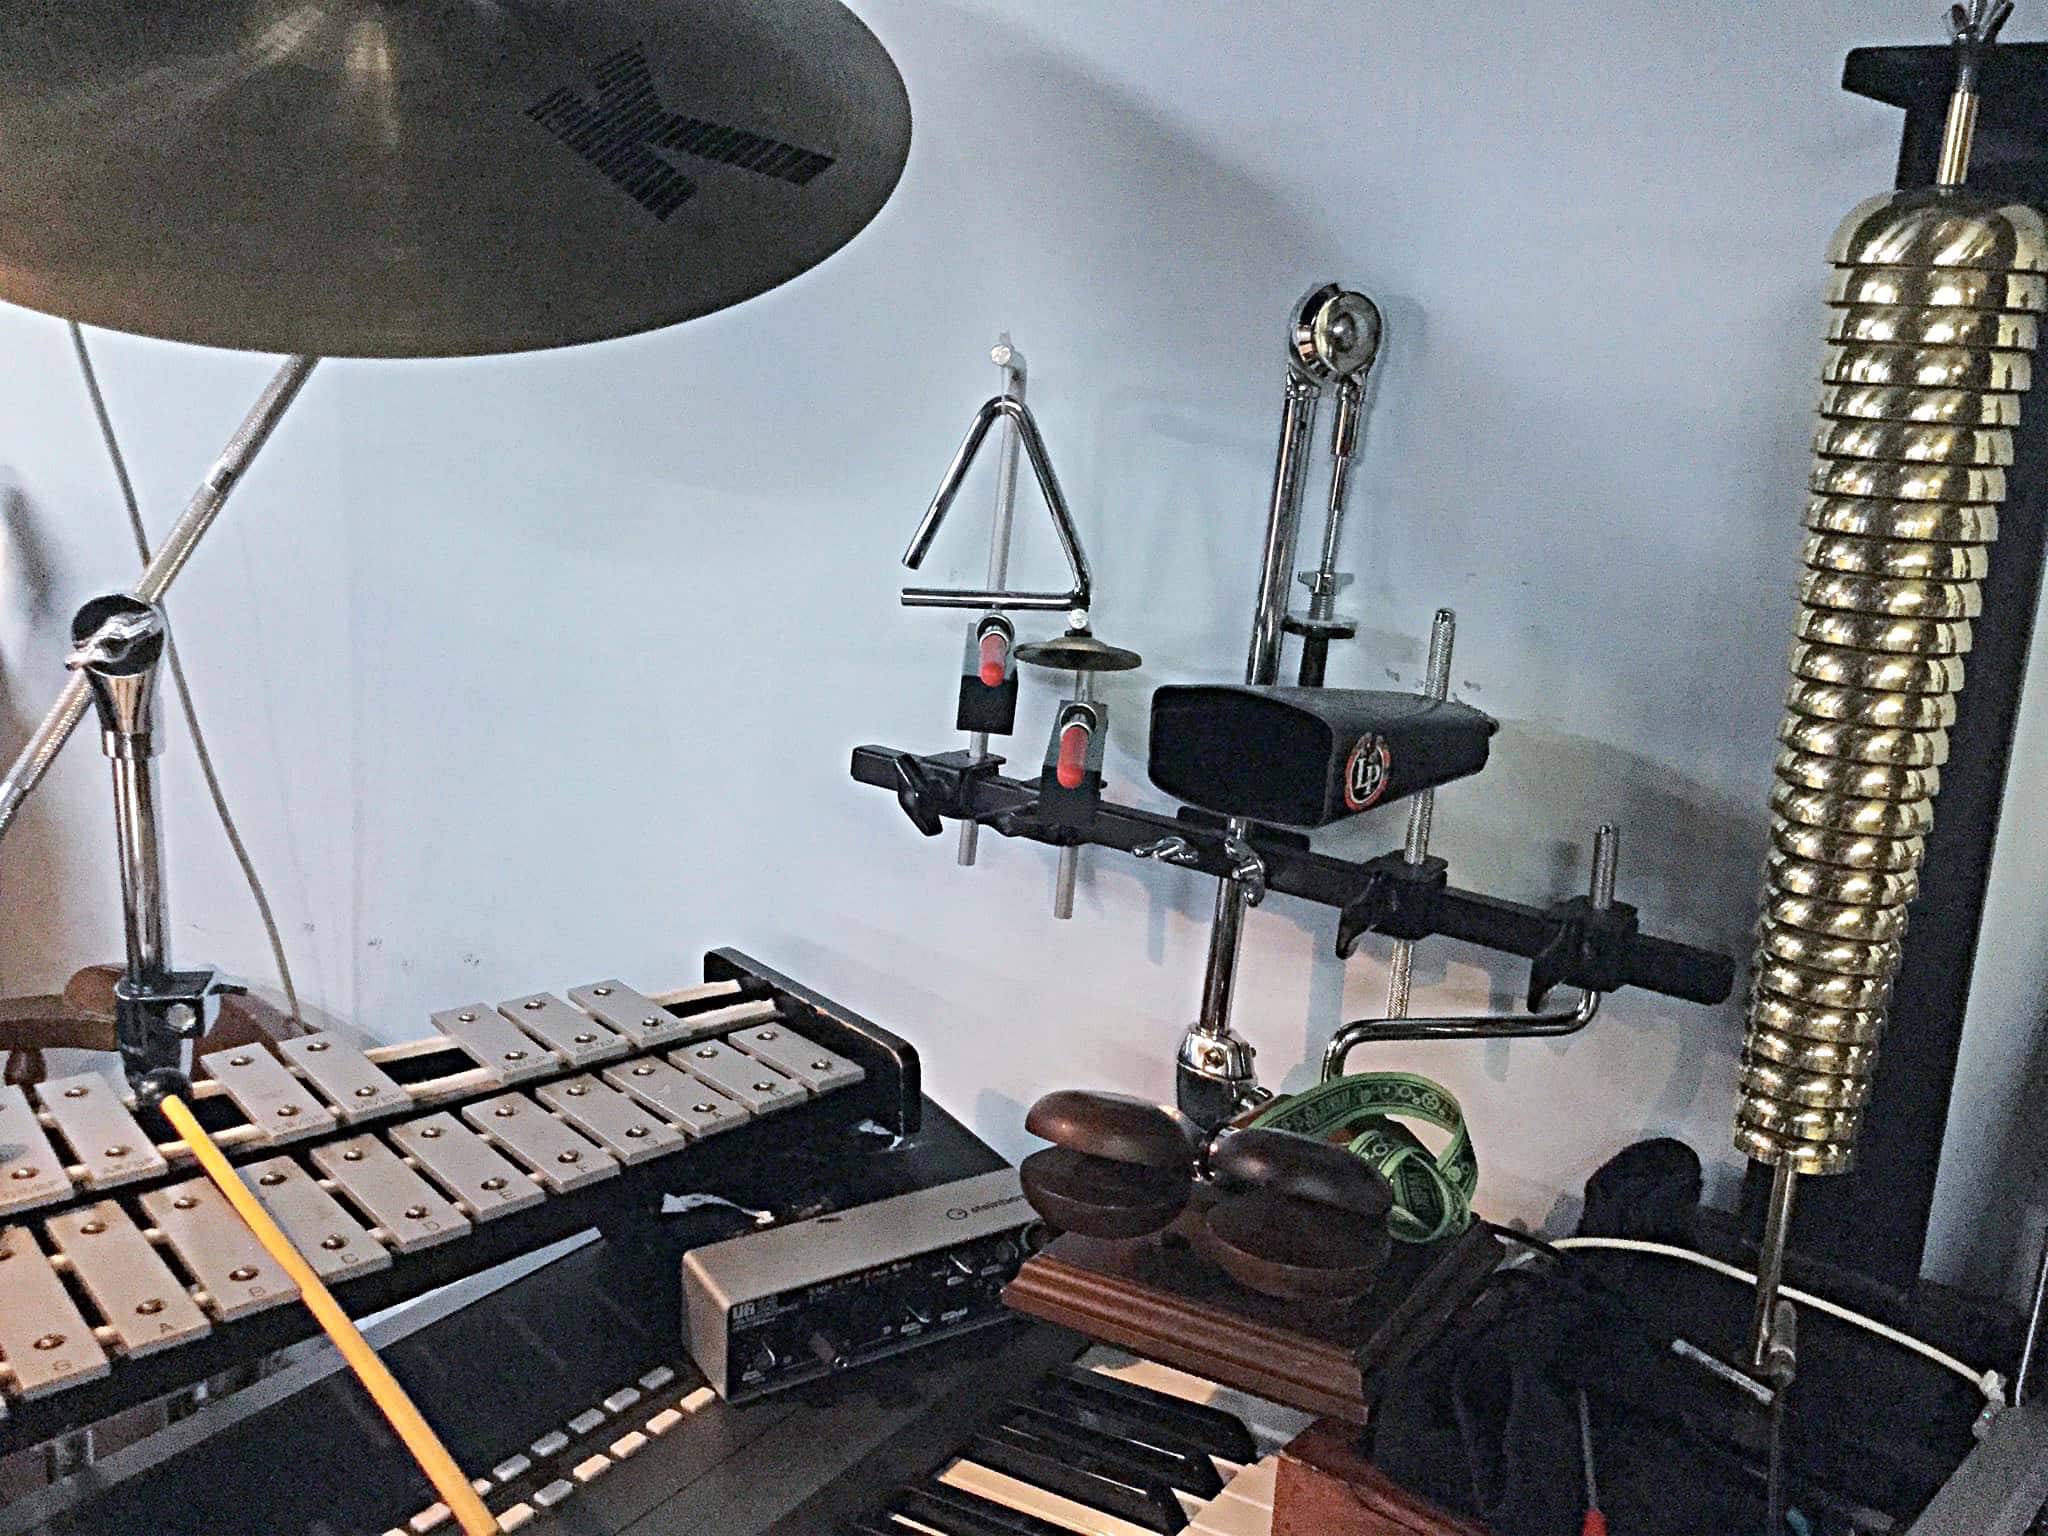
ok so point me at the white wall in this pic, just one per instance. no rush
(527, 670)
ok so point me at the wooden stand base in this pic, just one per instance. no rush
(1159, 1298)
(1326, 1487)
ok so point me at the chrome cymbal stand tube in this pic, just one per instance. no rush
(1070, 854)
(1333, 336)
(35, 758)
(1010, 362)
(1932, 320)
(118, 646)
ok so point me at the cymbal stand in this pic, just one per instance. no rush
(1011, 363)
(117, 644)
(1333, 335)
(35, 758)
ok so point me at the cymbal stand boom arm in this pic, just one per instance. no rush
(34, 759)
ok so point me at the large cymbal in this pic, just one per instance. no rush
(417, 178)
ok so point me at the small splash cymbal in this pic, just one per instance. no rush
(1078, 653)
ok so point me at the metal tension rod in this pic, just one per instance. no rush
(206, 503)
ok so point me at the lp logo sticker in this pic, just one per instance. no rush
(1366, 771)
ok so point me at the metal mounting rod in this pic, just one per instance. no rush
(1011, 364)
(1443, 634)
(35, 758)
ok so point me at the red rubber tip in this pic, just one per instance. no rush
(995, 656)
(1072, 767)
(1596, 1524)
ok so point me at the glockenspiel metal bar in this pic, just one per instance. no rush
(810, 1064)
(337, 1245)
(578, 1038)
(479, 1178)
(488, 1036)
(31, 1173)
(278, 1105)
(754, 1083)
(91, 1114)
(47, 1344)
(647, 1023)
(354, 1085)
(547, 1146)
(409, 1215)
(147, 1308)
(209, 1240)
(627, 1129)
(691, 1103)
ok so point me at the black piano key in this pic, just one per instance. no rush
(1109, 1416)
(1189, 1470)
(1219, 1433)
(960, 1513)
(1154, 1508)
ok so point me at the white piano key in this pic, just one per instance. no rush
(628, 1130)
(337, 1245)
(278, 1105)
(754, 1083)
(46, 1343)
(563, 1159)
(31, 1173)
(649, 1025)
(143, 1302)
(356, 1086)
(783, 1048)
(217, 1250)
(509, 1056)
(92, 1116)
(690, 1102)
(467, 1166)
(378, 1183)
(1244, 1507)
(572, 1034)
(1030, 1499)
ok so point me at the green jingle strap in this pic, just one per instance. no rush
(1432, 1194)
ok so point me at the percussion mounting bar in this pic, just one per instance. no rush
(1576, 943)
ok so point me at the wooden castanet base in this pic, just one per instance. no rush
(1327, 1487)
(1159, 1298)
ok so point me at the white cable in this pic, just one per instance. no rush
(1990, 1383)
(199, 747)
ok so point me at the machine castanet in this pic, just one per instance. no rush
(1932, 305)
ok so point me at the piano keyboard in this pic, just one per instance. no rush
(1109, 1446)
(114, 1249)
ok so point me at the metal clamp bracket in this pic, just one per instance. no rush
(932, 789)
(1397, 899)
(1590, 948)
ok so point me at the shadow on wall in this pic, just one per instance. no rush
(41, 867)
(2014, 1186)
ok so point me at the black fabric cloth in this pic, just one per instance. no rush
(1485, 1422)
(1649, 1191)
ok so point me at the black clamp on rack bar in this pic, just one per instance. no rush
(1569, 944)
(1398, 899)
(1589, 948)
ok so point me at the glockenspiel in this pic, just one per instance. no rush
(124, 1275)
